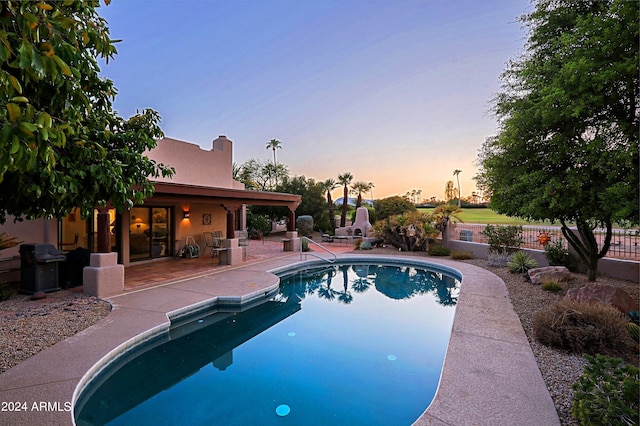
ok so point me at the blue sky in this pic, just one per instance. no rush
(396, 92)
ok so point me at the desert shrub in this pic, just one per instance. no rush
(439, 250)
(462, 255)
(7, 241)
(552, 286)
(366, 245)
(521, 262)
(304, 224)
(6, 291)
(258, 225)
(304, 244)
(407, 232)
(503, 239)
(556, 254)
(607, 393)
(582, 327)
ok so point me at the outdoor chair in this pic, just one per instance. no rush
(213, 241)
(71, 245)
(243, 241)
(326, 238)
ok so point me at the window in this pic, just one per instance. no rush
(149, 233)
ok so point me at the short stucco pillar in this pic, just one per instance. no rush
(291, 241)
(233, 253)
(104, 276)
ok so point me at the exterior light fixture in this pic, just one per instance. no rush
(186, 214)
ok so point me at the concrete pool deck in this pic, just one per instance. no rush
(490, 376)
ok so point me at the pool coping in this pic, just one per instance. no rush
(500, 384)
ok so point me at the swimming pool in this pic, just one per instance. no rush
(343, 344)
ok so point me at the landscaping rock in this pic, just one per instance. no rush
(609, 295)
(549, 273)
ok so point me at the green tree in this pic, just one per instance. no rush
(567, 148)
(312, 203)
(260, 175)
(449, 191)
(345, 180)
(328, 186)
(391, 206)
(61, 144)
(358, 188)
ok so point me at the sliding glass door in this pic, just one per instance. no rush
(149, 233)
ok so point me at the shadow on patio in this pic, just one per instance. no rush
(165, 270)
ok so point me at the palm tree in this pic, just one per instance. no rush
(274, 144)
(449, 191)
(358, 188)
(456, 173)
(329, 185)
(443, 215)
(345, 180)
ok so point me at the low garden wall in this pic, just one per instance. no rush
(615, 268)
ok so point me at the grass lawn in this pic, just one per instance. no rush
(489, 216)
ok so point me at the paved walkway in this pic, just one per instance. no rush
(490, 376)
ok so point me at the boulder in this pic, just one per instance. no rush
(607, 294)
(549, 273)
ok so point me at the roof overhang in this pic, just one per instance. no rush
(176, 192)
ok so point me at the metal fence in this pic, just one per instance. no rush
(625, 244)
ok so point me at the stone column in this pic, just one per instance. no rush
(291, 241)
(104, 276)
(233, 253)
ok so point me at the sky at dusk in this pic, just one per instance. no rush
(396, 92)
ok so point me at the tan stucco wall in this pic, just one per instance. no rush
(195, 227)
(197, 166)
(39, 231)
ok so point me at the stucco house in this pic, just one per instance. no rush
(201, 197)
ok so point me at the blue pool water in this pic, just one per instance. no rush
(342, 345)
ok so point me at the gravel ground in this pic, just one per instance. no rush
(27, 327)
(30, 326)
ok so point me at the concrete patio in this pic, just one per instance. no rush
(490, 376)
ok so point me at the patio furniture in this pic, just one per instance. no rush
(217, 247)
(71, 245)
(213, 241)
(243, 241)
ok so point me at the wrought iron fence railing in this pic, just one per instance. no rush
(625, 243)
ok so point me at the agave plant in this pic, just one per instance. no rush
(7, 241)
(521, 262)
